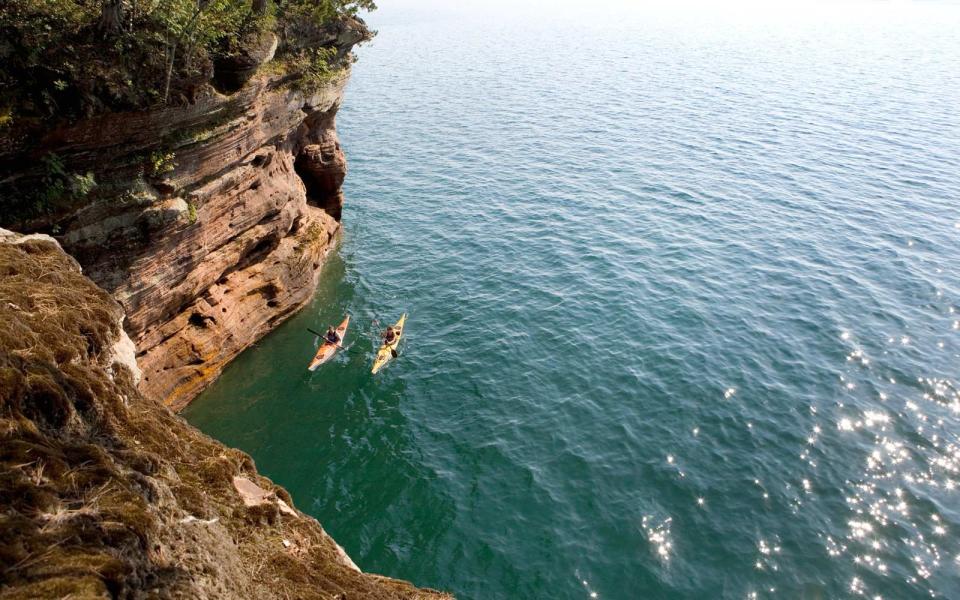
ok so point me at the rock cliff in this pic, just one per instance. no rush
(106, 493)
(201, 217)
(210, 219)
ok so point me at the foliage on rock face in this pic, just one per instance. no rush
(58, 184)
(315, 66)
(161, 163)
(72, 58)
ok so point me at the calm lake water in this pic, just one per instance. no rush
(684, 307)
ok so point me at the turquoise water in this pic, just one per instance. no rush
(684, 298)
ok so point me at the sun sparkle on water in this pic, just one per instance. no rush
(682, 287)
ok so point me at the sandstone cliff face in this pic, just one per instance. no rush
(211, 220)
(106, 493)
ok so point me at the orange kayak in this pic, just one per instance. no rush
(326, 350)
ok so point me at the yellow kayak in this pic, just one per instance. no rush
(386, 350)
(326, 350)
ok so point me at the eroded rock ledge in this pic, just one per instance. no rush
(210, 221)
(106, 493)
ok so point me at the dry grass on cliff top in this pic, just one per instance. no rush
(105, 494)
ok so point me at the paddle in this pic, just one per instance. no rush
(324, 337)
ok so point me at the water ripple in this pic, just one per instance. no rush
(684, 301)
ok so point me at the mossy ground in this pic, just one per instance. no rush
(104, 493)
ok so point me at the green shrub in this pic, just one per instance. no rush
(78, 57)
(57, 184)
(315, 66)
(161, 163)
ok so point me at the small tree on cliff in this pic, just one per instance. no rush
(192, 24)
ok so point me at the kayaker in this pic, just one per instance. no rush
(332, 336)
(389, 335)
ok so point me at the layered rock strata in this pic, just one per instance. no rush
(106, 493)
(211, 220)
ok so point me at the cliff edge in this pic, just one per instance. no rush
(207, 214)
(106, 493)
